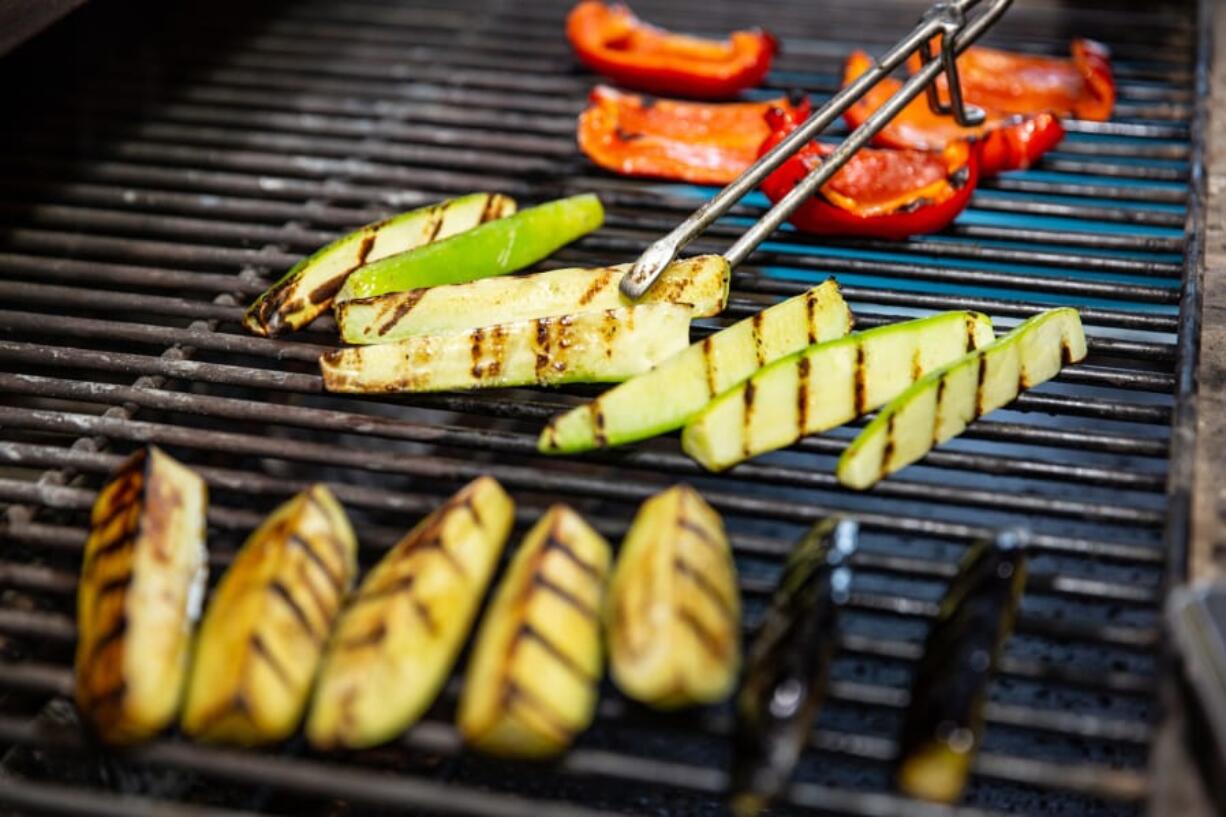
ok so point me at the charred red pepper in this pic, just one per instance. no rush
(878, 193)
(610, 40)
(1008, 141)
(698, 142)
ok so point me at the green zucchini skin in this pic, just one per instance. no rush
(944, 720)
(788, 663)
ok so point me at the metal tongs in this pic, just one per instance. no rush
(947, 19)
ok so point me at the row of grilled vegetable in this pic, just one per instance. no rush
(286, 639)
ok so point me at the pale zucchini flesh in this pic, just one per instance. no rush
(673, 613)
(827, 385)
(531, 684)
(265, 628)
(142, 585)
(589, 347)
(701, 283)
(941, 404)
(307, 290)
(666, 397)
(398, 639)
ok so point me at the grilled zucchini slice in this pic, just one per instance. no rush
(944, 720)
(788, 665)
(397, 640)
(531, 683)
(666, 397)
(590, 347)
(265, 628)
(308, 288)
(142, 584)
(941, 404)
(673, 614)
(700, 283)
(827, 385)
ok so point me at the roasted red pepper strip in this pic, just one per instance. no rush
(610, 40)
(1009, 142)
(698, 142)
(878, 193)
(1005, 82)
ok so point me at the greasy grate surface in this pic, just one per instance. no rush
(148, 194)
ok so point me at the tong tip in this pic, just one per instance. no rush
(647, 269)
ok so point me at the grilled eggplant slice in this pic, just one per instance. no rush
(265, 628)
(788, 664)
(827, 385)
(701, 283)
(398, 639)
(666, 397)
(942, 403)
(590, 347)
(944, 720)
(673, 614)
(531, 683)
(142, 584)
(307, 290)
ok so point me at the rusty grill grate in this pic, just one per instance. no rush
(161, 166)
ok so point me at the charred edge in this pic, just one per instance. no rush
(959, 178)
(811, 316)
(478, 337)
(1022, 382)
(529, 633)
(756, 331)
(887, 454)
(260, 649)
(703, 584)
(326, 291)
(514, 696)
(917, 367)
(336, 582)
(554, 542)
(594, 289)
(598, 422)
(405, 304)
(858, 386)
(803, 367)
(708, 362)
(580, 606)
(709, 641)
(542, 346)
(368, 639)
(110, 637)
(979, 378)
(282, 592)
(936, 412)
(1066, 354)
(749, 394)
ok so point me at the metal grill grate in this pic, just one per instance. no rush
(148, 194)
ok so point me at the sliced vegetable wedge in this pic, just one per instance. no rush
(590, 347)
(673, 615)
(941, 404)
(142, 585)
(308, 288)
(398, 639)
(265, 628)
(496, 248)
(827, 385)
(531, 683)
(700, 283)
(666, 397)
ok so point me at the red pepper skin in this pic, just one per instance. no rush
(1008, 142)
(610, 40)
(845, 206)
(696, 142)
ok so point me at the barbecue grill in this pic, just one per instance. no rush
(161, 166)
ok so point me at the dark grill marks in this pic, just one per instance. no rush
(477, 336)
(756, 331)
(498, 345)
(857, 381)
(803, 367)
(542, 346)
(602, 438)
(404, 585)
(887, 454)
(529, 633)
(749, 393)
(811, 315)
(598, 284)
(970, 333)
(405, 303)
(514, 696)
(702, 534)
(708, 362)
(336, 582)
(543, 582)
(116, 584)
(326, 291)
(981, 375)
(119, 543)
(704, 585)
(431, 538)
(438, 214)
(917, 367)
(111, 637)
(709, 641)
(492, 209)
(260, 650)
(369, 639)
(280, 591)
(554, 543)
(936, 412)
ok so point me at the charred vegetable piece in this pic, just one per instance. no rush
(589, 347)
(307, 289)
(700, 283)
(943, 402)
(670, 394)
(398, 639)
(496, 248)
(673, 615)
(788, 664)
(827, 385)
(945, 718)
(531, 683)
(142, 584)
(265, 628)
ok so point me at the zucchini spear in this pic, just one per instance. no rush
(142, 584)
(827, 385)
(590, 347)
(397, 640)
(502, 246)
(265, 628)
(666, 397)
(788, 663)
(944, 720)
(941, 404)
(307, 290)
(673, 615)
(531, 683)
(701, 283)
